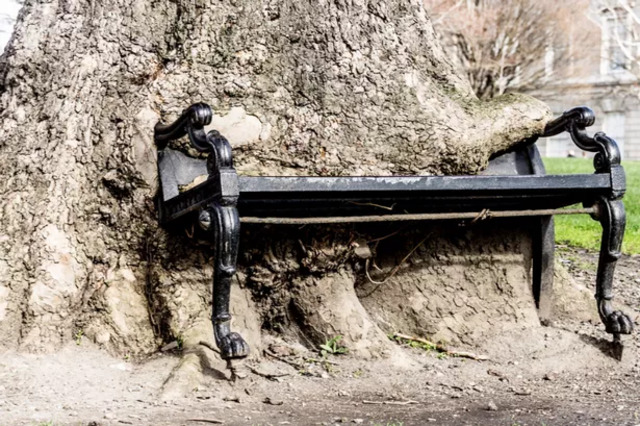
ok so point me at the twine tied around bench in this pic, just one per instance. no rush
(474, 216)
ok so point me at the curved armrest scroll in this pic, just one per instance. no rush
(191, 122)
(575, 121)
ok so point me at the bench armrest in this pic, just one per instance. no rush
(191, 122)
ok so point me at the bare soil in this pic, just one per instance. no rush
(566, 373)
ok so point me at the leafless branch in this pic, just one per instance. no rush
(503, 43)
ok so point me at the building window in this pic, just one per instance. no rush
(613, 126)
(549, 58)
(615, 41)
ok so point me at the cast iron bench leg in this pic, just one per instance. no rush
(543, 254)
(224, 228)
(612, 217)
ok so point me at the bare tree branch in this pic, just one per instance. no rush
(503, 44)
(625, 32)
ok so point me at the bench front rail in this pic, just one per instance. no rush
(514, 185)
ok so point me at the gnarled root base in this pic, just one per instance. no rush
(327, 306)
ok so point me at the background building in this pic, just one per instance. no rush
(602, 74)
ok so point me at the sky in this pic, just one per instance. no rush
(8, 12)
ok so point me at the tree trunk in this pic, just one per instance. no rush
(332, 87)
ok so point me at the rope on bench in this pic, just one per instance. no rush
(484, 214)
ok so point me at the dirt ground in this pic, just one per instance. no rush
(563, 374)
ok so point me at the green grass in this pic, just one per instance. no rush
(581, 230)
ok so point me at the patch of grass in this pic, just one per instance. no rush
(78, 337)
(333, 347)
(581, 230)
(180, 342)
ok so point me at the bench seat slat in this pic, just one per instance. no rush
(324, 197)
(252, 184)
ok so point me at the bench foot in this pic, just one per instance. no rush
(231, 344)
(612, 217)
(616, 322)
(223, 224)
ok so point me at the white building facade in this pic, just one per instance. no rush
(607, 81)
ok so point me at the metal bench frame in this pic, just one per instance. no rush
(520, 188)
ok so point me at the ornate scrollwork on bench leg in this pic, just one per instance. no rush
(610, 209)
(223, 224)
(225, 230)
(612, 217)
(218, 217)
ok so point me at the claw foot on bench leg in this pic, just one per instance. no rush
(231, 344)
(616, 322)
(612, 217)
(224, 224)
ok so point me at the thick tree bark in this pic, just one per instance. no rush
(333, 87)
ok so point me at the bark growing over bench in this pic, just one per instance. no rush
(514, 186)
(313, 87)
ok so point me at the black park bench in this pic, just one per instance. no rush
(514, 185)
